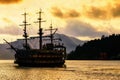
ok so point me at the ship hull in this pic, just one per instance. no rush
(34, 64)
(38, 58)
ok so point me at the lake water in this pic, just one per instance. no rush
(75, 70)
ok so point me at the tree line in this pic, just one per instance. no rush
(106, 48)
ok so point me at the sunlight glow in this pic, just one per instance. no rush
(102, 15)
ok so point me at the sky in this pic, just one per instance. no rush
(83, 19)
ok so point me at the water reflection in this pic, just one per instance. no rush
(76, 70)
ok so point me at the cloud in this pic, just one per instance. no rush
(116, 10)
(69, 13)
(96, 13)
(110, 10)
(11, 30)
(17, 30)
(9, 27)
(6, 20)
(78, 28)
(97, 9)
(9, 1)
(57, 12)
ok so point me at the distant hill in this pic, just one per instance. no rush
(69, 42)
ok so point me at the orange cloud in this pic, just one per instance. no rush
(116, 10)
(57, 12)
(9, 1)
(69, 13)
(72, 13)
(96, 13)
(100, 9)
(110, 9)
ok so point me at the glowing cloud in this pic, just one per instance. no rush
(110, 9)
(106, 9)
(9, 1)
(116, 10)
(96, 13)
(69, 13)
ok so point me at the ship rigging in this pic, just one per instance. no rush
(48, 55)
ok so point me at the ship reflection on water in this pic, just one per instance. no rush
(75, 70)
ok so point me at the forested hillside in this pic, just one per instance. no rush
(106, 48)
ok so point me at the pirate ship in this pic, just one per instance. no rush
(49, 54)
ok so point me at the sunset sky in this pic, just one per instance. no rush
(83, 19)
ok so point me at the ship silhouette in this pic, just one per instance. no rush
(50, 54)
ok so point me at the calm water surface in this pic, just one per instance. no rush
(76, 70)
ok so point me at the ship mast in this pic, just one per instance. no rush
(25, 35)
(51, 36)
(40, 29)
(51, 32)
